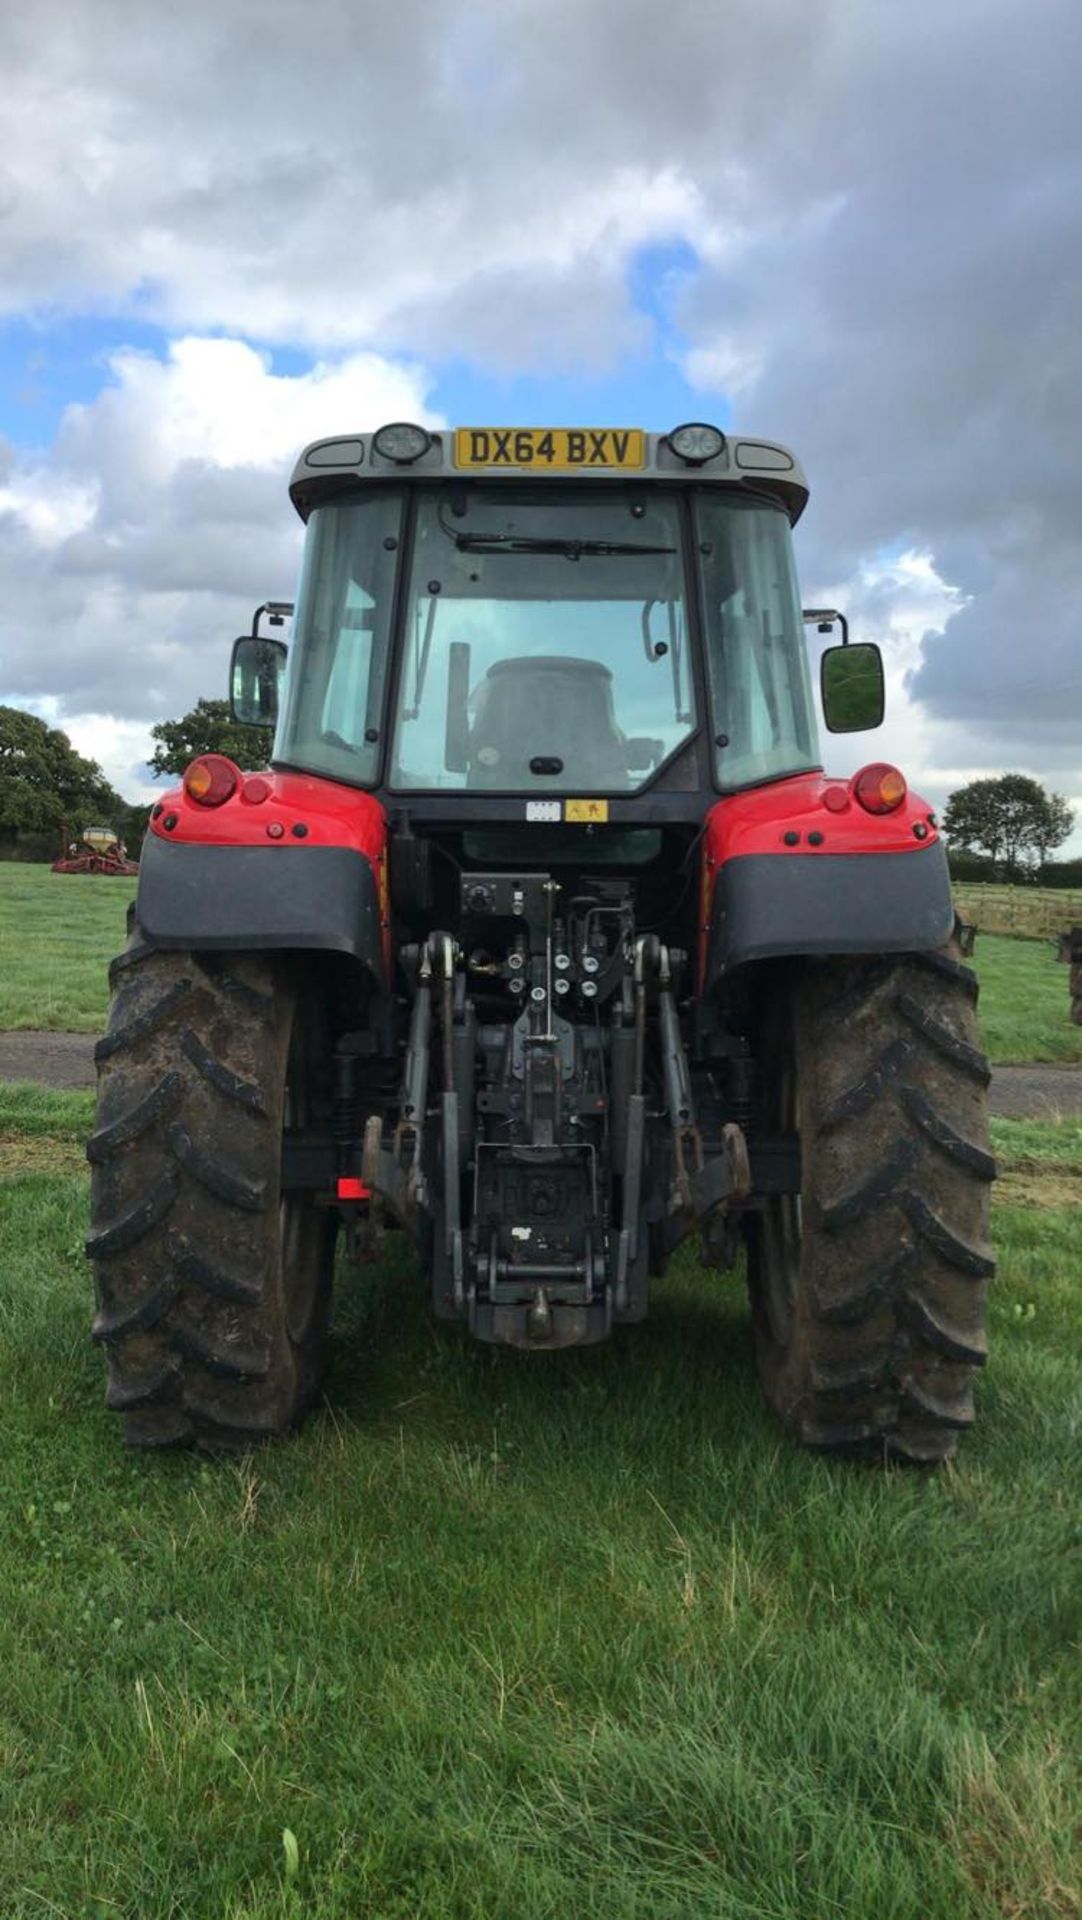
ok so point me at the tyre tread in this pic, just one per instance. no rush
(888, 1327)
(960, 1053)
(218, 1178)
(128, 1033)
(144, 1216)
(222, 1078)
(162, 1099)
(184, 1235)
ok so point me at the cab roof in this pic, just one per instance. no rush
(327, 468)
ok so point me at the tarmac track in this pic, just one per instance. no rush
(66, 1060)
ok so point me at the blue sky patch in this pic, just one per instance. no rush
(49, 362)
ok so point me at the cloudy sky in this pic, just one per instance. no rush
(851, 225)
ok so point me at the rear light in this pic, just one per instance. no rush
(879, 788)
(211, 779)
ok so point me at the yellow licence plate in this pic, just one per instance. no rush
(551, 449)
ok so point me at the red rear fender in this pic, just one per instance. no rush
(793, 817)
(288, 860)
(277, 808)
(800, 867)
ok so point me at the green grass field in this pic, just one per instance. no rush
(58, 933)
(509, 1637)
(534, 1638)
(1025, 1004)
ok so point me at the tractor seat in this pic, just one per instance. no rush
(548, 706)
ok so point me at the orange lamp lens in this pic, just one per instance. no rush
(879, 788)
(211, 779)
(197, 781)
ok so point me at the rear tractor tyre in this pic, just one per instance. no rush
(213, 1287)
(868, 1291)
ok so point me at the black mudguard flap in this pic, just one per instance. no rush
(259, 897)
(767, 905)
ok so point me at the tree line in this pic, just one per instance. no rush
(50, 793)
(1005, 829)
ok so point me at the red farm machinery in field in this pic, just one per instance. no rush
(99, 850)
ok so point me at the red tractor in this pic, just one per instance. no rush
(546, 940)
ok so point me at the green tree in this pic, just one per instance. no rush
(1055, 828)
(46, 788)
(131, 824)
(208, 728)
(1012, 818)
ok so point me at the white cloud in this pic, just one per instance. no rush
(904, 604)
(317, 174)
(48, 505)
(723, 369)
(896, 601)
(217, 401)
(133, 550)
(119, 746)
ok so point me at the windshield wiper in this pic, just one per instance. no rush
(526, 543)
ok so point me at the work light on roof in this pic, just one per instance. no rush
(695, 442)
(402, 442)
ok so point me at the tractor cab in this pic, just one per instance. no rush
(546, 614)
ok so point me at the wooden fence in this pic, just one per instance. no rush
(1037, 913)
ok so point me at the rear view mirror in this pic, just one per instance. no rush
(255, 676)
(851, 682)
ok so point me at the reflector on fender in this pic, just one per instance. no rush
(211, 779)
(350, 1188)
(880, 788)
